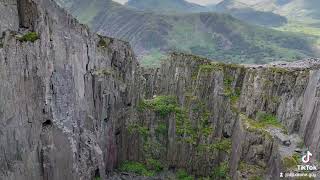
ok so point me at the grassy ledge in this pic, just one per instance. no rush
(29, 37)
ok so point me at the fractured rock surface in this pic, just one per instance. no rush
(69, 100)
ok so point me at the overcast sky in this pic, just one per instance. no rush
(194, 1)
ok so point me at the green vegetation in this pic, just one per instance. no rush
(222, 145)
(255, 126)
(289, 162)
(255, 172)
(163, 105)
(234, 97)
(154, 165)
(103, 72)
(136, 167)
(300, 144)
(221, 172)
(265, 120)
(305, 178)
(255, 178)
(135, 128)
(297, 157)
(30, 36)
(162, 129)
(212, 35)
(183, 175)
(153, 58)
(102, 43)
(1, 43)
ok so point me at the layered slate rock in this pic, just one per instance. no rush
(75, 105)
(62, 90)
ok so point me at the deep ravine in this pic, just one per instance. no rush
(76, 105)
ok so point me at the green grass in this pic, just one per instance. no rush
(221, 172)
(303, 28)
(265, 120)
(183, 175)
(163, 105)
(143, 131)
(31, 37)
(154, 165)
(222, 145)
(258, 126)
(289, 162)
(162, 129)
(136, 168)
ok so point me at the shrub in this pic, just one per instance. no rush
(135, 167)
(221, 172)
(31, 37)
(163, 105)
(265, 120)
(222, 145)
(102, 43)
(162, 129)
(154, 165)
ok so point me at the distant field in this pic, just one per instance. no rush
(308, 27)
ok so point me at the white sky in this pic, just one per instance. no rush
(203, 2)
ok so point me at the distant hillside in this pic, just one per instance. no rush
(216, 36)
(244, 12)
(289, 8)
(237, 9)
(166, 6)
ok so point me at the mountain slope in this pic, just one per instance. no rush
(288, 8)
(166, 6)
(212, 35)
(244, 12)
(237, 9)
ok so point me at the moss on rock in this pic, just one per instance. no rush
(289, 162)
(30, 36)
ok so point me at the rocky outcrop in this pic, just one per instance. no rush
(75, 105)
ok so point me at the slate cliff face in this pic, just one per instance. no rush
(74, 105)
(236, 99)
(60, 95)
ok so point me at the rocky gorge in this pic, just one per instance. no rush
(77, 105)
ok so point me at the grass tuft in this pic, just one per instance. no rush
(31, 37)
(136, 168)
(183, 175)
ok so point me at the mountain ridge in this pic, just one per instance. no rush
(216, 36)
(166, 6)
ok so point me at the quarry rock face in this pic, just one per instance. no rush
(75, 105)
(60, 95)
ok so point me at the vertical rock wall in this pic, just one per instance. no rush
(70, 102)
(62, 96)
